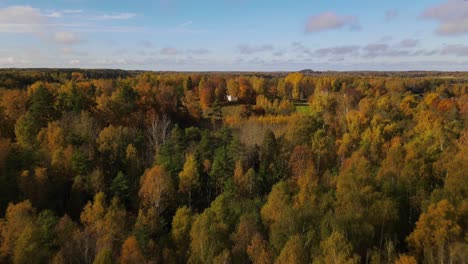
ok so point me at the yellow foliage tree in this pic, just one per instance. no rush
(131, 253)
(435, 233)
(189, 176)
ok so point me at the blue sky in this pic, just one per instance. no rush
(245, 35)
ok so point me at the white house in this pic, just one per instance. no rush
(231, 98)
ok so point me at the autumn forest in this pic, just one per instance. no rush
(113, 166)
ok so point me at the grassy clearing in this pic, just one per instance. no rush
(236, 110)
(303, 109)
(233, 110)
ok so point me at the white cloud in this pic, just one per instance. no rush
(59, 26)
(21, 19)
(200, 51)
(328, 21)
(451, 15)
(424, 52)
(384, 50)
(20, 14)
(12, 61)
(386, 38)
(279, 53)
(73, 11)
(67, 38)
(339, 50)
(457, 50)
(26, 19)
(391, 14)
(119, 16)
(54, 14)
(409, 43)
(300, 48)
(146, 44)
(185, 24)
(376, 47)
(7, 60)
(248, 49)
(74, 62)
(185, 27)
(169, 51)
(67, 50)
(111, 62)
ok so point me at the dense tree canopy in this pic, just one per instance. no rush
(142, 167)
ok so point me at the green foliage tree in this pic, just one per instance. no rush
(180, 232)
(210, 230)
(120, 186)
(26, 129)
(293, 251)
(17, 218)
(258, 251)
(104, 257)
(41, 105)
(278, 215)
(28, 248)
(436, 233)
(336, 249)
(189, 176)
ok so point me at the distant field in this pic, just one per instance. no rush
(236, 110)
(233, 110)
(303, 108)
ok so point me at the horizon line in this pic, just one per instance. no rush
(230, 71)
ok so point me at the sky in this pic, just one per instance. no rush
(235, 35)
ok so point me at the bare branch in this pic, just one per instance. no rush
(159, 132)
